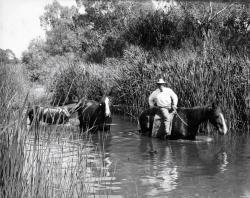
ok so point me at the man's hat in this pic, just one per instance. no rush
(161, 81)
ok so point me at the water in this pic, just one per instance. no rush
(135, 166)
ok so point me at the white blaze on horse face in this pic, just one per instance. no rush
(223, 123)
(107, 109)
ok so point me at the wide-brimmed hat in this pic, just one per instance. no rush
(161, 81)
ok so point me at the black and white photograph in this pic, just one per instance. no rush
(125, 98)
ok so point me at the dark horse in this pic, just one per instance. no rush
(185, 122)
(51, 115)
(94, 116)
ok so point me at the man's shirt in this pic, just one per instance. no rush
(164, 98)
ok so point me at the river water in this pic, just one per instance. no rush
(135, 166)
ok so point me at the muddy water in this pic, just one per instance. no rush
(136, 166)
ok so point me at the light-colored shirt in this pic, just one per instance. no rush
(165, 98)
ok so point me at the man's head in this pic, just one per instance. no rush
(160, 83)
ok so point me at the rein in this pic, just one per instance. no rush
(159, 107)
(175, 112)
(181, 118)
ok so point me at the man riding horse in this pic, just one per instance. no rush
(166, 99)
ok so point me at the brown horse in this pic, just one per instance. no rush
(94, 116)
(185, 122)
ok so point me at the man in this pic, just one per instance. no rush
(166, 100)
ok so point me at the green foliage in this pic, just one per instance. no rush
(7, 56)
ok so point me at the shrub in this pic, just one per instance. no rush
(80, 81)
(69, 83)
(153, 30)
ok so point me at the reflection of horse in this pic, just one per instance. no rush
(185, 122)
(51, 115)
(94, 116)
(210, 156)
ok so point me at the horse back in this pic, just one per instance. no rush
(88, 109)
(146, 121)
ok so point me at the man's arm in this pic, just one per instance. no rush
(152, 98)
(174, 99)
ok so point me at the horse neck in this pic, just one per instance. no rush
(199, 115)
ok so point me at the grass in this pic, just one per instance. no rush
(60, 163)
(195, 79)
(56, 162)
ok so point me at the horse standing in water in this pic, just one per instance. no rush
(94, 116)
(51, 115)
(185, 123)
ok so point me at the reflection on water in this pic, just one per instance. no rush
(124, 164)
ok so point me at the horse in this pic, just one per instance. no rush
(51, 115)
(93, 115)
(185, 123)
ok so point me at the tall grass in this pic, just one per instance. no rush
(32, 167)
(57, 163)
(79, 80)
(195, 79)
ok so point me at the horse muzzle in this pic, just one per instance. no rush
(223, 131)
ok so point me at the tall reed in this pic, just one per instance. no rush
(31, 167)
(195, 79)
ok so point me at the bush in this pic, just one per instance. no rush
(69, 83)
(153, 30)
(80, 81)
(235, 33)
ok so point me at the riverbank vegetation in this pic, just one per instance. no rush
(201, 49)
(117, 48)
(121, 49)
(30, 166)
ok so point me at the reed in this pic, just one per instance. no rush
(195, 79)
(57, 162)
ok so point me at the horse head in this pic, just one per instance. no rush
(216, 118)
(104, 106)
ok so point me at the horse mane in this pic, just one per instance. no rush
(194, 114)
(205, 107)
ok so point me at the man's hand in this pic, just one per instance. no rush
(173, 108)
